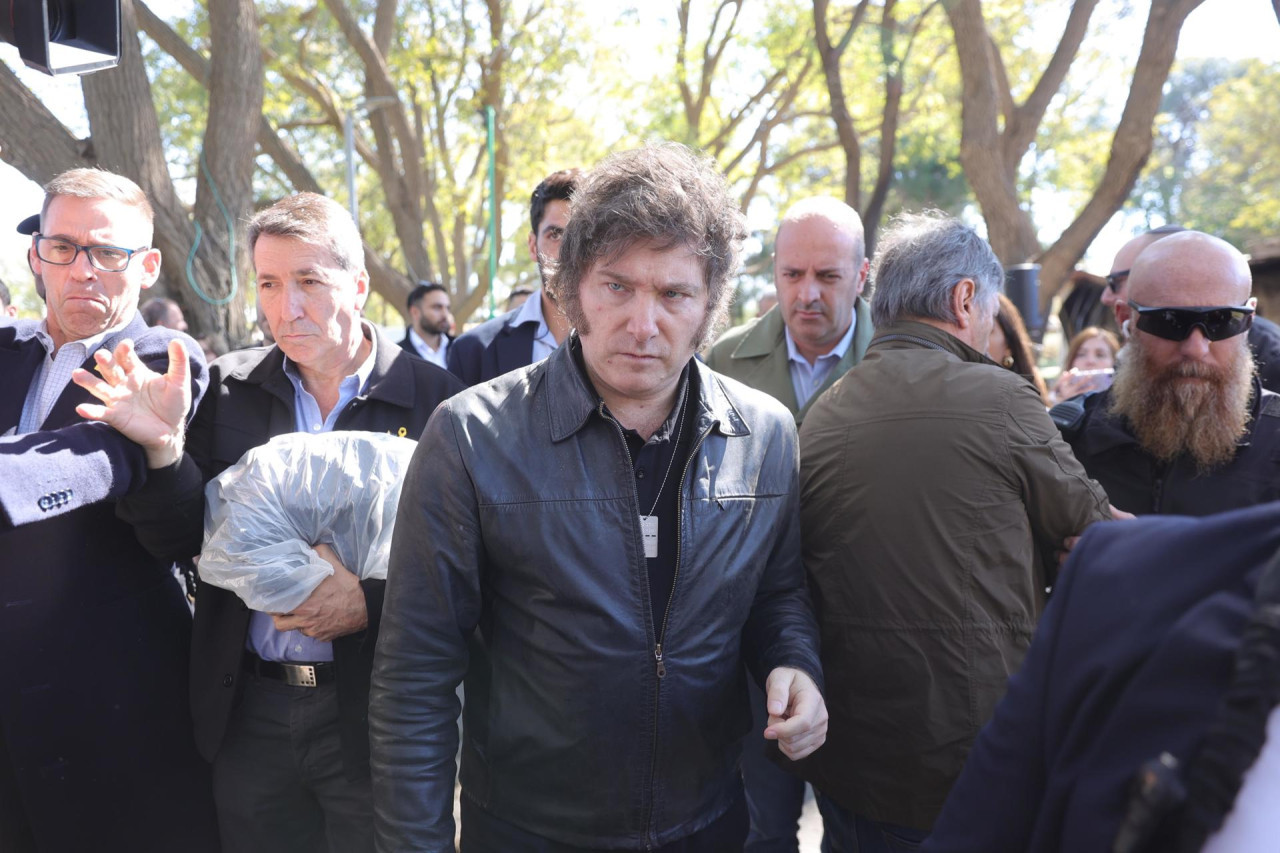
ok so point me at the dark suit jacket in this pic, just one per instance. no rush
(95, 630)
(251, 400)
(407, 345)
(493, 348)
(1133, 654)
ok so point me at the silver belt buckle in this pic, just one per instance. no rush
(300, 675)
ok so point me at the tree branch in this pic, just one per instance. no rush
(1020, 130)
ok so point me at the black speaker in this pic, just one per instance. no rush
(1022, 286)
(63, 36)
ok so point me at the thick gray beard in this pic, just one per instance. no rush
(1169, 418)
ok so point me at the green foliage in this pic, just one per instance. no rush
(1232, 187)
(580, 81)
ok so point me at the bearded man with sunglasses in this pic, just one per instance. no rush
(1187, 428)
(1264, 335)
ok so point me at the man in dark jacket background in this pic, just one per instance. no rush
(934, 489)
(530, 333)
(1186, 429)
(598, 542)
(280, 701)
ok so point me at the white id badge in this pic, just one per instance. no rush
(649, 532)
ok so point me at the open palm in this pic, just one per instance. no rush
(146, 407)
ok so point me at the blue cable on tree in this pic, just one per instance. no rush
(195, 245)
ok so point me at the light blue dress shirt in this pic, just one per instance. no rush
(264, 640)
(807, 378)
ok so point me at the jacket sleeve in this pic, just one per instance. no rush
(463, 358)
(431, 607)
(1060, 498)
(781, 629)
(50, 472)
(995, 804)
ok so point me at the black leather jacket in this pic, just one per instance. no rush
(518, 561)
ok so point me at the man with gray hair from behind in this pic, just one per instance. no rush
(934, 493)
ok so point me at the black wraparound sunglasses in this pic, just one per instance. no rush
(1175, 324)
(1116, 280)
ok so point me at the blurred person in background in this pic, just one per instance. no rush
(160, 311)
(1090, 353)
(1010, 346)
(7, 308)
(517, 297)
(533, 331)
(429, 323)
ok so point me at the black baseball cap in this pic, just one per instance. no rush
(30, 225)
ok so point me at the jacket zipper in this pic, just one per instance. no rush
(660, 632)
(666, 614)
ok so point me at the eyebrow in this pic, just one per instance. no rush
(66, 238)
(630, 282)
(314, 272)
(803, 267)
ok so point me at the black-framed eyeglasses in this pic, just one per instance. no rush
(1175, 324)
(1116, 280)
(60, 252)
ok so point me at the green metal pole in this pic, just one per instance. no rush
(493, 213)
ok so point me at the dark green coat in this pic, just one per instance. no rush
(755, 354)
(933, 487)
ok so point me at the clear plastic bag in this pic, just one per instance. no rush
(263, 514)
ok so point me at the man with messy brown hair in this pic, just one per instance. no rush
(598, 542)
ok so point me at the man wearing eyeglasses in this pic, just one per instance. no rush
(96, 749)
(1187, 427)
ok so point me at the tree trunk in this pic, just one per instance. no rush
(384, 280)
(1130, 147)
(126, 139)
(32, 140)
(991, 157)
(224, 193)
(1009, 228)
(830, 55)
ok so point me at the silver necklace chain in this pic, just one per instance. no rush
(679, 433)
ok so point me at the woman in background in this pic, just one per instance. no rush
(1010, 346)
(1089, 365)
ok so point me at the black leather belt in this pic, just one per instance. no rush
(293, 674)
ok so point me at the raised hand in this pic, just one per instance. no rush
(146, 407)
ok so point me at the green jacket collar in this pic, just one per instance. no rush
(909, 334)
(766, 340)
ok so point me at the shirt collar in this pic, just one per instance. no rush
(362, 372)
(531, 312)
(841, 347)
(422, 346)
(90, 343)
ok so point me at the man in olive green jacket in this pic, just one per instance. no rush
(935, 492)
(820, 328)
(821, 325)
